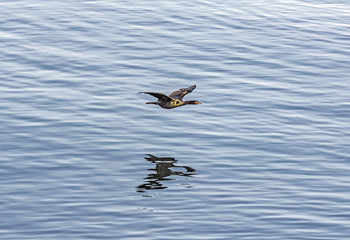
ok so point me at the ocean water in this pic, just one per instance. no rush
(266, 156)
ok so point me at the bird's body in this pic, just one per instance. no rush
(173, 100)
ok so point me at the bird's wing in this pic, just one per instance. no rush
(161, 97)
(179, 94)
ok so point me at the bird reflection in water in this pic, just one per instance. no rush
(165, 167)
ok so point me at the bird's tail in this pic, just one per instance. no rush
(151, 103)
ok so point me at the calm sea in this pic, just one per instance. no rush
(265, 157)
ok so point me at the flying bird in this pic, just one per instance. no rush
(173, 100)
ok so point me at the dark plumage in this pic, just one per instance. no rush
(173, 100)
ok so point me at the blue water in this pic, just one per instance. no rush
(266, 156)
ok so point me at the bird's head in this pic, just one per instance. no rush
(192, 102)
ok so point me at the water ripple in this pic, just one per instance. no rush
(264, 157)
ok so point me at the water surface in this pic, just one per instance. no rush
(266, 156)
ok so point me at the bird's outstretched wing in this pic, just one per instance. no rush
(161, 97)
(179, 94)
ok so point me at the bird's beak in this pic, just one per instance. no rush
(198, 103)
